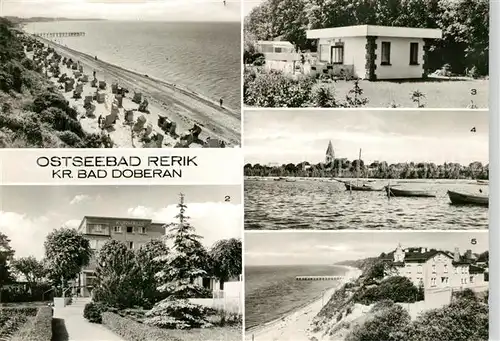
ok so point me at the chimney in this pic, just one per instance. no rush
(468, 254)
(456, 255)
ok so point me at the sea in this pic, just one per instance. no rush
(324, 204)
(272, 291)
(201, 56)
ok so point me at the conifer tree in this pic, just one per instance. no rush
(185, 263)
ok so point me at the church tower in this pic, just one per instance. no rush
(330, 153)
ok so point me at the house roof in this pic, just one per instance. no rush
(377, 31)
(276, 43)
(415, 255)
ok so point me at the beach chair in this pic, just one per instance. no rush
(77, 74)
(137, 97)
(139, 125)
(93, 83)
(100, 97)
(143, 107)
(90, 110)
(195, 131)
(119, 100)
(212, 143)
(114, 88)
(102, 85)
(114, 109)
(68, 86)
(129, 115)
(84, 78)
(109, 120)
(87, 101)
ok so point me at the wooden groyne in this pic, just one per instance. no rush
(59, 34)
(319, 278)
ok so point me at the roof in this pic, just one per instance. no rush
(414, 255)
(372, 30)
(476, 269)
(118, 218)
(276, 43)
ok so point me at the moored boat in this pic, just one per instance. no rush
(457, 198)
(398, 192)
(482, 182)
(364, 187)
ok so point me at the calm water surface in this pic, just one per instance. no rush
(204, 57)
(272, 291)
(325, 204)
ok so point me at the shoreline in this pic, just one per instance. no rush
(295, 324)
(182, 106)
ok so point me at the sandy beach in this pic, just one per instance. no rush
(295, 326)
(179, 105)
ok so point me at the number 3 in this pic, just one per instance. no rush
(473, 92)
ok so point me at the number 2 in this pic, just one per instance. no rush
(227, 198)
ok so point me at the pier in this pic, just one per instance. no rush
(319, 278)
(59, 34)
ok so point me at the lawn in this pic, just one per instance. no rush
(438, 93)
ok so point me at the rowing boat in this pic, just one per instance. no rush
(397, 192)
(468, 199)
(351, 187)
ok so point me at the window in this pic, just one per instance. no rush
(131, 245)
(444, 280)
(419, 269)
(324, 53)
(446, 268)
(277, 50)
(433, 282)
(130, 229)
(471, 279)
(118, 229)
(413, 53)
(433, 269)
(337, 55)
(386, 53)
(143, 230)
(97, 228)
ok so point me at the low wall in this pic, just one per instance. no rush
(61, 302)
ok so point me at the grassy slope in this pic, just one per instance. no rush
(33, 113)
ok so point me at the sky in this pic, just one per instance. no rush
(297, 248)
(29, 213)
(293, 136)
(248, 5)
(160, 10)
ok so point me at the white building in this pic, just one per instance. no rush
(436, 269)
(372, 52)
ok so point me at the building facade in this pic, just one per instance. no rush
(132, 232)
(372, 52)
(436, 269)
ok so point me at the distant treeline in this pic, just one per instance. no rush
(465, 25)
(378, 170)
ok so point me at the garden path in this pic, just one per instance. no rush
(70, 325)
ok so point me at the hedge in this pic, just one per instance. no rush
(135, 331)
(39, 329)
(15, 311)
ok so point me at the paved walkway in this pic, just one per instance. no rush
(70, 321)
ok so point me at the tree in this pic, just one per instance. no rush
(6, 254)
(66, 252)
(181, 268)
(118, 276)
(32, 269)
(148, 263)
(226, 259)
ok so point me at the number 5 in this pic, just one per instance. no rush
(473, 241)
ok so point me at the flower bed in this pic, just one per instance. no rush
(135, 331)
(37, 329)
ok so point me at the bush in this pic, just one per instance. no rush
(70, 138)
(178, 314)
(274, 89)
(93, 311)
(135, 331)
(39, 329)
(59, 120)
(387, 325)
(323, 97)
(465, 319)
(382, 305)
(395, 288)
